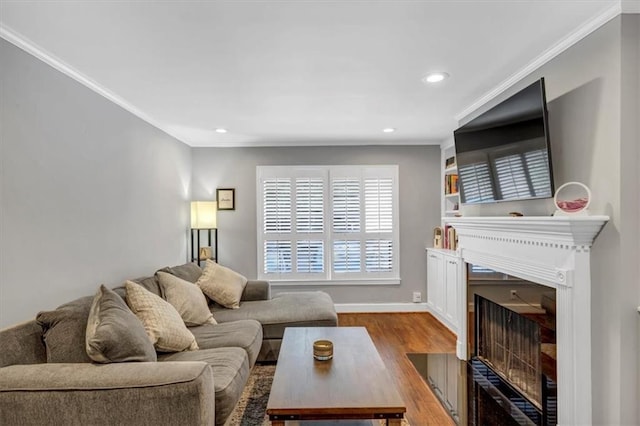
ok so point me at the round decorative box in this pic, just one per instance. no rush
(323, 350)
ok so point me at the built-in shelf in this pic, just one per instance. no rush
(450, 202)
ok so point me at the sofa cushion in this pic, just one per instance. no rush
(222, 285)
(114, 333)
(302, 309)
(140, 394)
(64, 331)
(22, 344)
(245, 334)
(230, 373)
(161, 321)
(187, 298)
(188, 272)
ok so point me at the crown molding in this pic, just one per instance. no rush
(564, 44)
(32, 48)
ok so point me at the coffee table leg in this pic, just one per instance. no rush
(277, 422)
(394, 422)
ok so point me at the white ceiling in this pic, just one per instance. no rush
(297, 72)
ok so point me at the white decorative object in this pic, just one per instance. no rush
(553, 251)
(572, 198)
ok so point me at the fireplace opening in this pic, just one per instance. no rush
(513, 341)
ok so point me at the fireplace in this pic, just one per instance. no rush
(514, 352)
(553, 252)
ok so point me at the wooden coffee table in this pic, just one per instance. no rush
(355, 384)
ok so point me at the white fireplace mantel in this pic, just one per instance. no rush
(553, 251)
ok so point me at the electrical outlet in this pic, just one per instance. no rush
(513, 294)
(417, 297)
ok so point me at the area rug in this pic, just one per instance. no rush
(252, 407)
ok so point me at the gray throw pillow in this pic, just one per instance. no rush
(114, 333)
(64, 331)
(188, 272)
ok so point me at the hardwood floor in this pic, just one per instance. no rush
(396, 334)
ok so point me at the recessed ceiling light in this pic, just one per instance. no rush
(435, 77)
(389, 130)
(221, 130)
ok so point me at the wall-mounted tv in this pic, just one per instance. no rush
(504, 154)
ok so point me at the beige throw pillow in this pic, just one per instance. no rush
(222, 285)
(161, 321)
(187, 298)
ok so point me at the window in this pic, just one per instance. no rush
(328, 223)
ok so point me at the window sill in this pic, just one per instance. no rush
(360, 281)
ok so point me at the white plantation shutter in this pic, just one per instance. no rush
(277, 257)
(346, 204)
(379, 255)
(346, 256)
(378, 194)
(346, 213)
(277, 205)
(327, 223)
(476, 183)
(309, 205)
(379, 220)
(310, 257)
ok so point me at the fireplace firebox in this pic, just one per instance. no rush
(511, 377)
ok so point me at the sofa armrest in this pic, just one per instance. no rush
(141, 393)
(256, 290)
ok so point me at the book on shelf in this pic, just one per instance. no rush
(450, 238)
(451, 184)
(449, 162)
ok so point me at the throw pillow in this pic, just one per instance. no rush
(221, 284)
(187, 298)
(114, 333)
(161, 321)
(188, 272)
(64, 329)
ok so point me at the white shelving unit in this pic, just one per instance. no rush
(451, 201)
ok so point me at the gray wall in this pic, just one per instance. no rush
(419, 206)
(89, 193)
(630, 213)
(592, 97)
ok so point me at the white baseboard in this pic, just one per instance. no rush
(380, 307)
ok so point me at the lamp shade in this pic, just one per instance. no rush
(203, 214)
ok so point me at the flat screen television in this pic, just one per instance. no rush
(504, 154)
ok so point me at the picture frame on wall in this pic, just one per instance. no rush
(226, 198)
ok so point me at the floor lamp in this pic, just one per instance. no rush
(204, 218)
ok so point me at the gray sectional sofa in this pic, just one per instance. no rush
(47, 378)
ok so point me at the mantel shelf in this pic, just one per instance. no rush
(576, 230)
